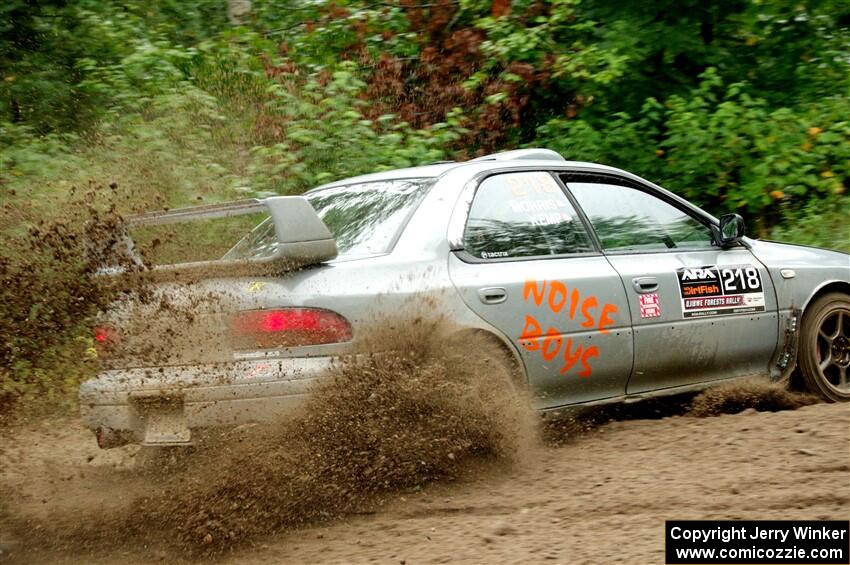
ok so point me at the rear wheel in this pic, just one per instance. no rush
(494, 379)
(824, 354)
(485, 351)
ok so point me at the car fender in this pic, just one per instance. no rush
(800, 274)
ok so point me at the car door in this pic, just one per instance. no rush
(528, 266)
(699, 312)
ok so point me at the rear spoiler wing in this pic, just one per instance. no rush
(302, 238)
(205, 212)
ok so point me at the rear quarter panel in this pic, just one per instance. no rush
(411, 283)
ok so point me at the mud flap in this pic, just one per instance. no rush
(164, 418)
(785, 359)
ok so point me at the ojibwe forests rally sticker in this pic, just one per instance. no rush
(719, 291)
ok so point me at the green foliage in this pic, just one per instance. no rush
(620, 140)
(739, 153)
(788, 51)
(325, 136)
(25, 154)
(822, 224)
(722, 148)
(62, 64)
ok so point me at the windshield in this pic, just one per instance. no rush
(364, 218)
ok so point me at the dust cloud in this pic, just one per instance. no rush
(760, 395)
(757, 394)
(425, 410)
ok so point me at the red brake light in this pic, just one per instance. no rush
(105, 340)
(288, 327)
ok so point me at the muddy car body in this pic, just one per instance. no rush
(599, 286)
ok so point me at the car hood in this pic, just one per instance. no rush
(788, 255)
(811, 269)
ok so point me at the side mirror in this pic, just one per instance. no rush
(731, 229)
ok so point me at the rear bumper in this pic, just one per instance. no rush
(123, 405)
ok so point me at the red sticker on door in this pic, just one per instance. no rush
(649, 305)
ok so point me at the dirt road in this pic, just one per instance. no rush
(600, 497)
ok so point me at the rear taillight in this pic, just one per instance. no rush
(105, 340)
(288, 327)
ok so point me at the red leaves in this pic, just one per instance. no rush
(500, 8)
(422, 89)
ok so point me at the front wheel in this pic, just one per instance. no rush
(824, 355)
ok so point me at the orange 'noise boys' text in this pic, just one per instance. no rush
(558, 298)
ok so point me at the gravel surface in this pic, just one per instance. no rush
(600, 497)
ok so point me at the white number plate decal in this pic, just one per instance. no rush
(718, 291)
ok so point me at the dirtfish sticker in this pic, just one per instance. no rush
(719, 291)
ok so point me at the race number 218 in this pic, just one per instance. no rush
(740, 279)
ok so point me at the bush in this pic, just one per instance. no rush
(822, 224)
(723, 149)
(321, 134)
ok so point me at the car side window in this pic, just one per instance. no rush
(627, 219)
(523, 214)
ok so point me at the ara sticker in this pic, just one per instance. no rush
(650, 307)
(718, 291)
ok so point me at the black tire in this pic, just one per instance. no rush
(824, 350)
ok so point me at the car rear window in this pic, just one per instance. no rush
(365, 218)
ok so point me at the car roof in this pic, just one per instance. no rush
(522, 158)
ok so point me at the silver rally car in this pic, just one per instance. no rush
(597, 285)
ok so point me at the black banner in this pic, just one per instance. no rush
(694, 542)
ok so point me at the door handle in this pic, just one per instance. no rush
(493, 295)
(645, 284)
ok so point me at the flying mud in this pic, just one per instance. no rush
(397, 459)
(383, 423)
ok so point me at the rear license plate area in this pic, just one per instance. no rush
(164, 418)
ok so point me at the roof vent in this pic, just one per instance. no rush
(522, 155)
